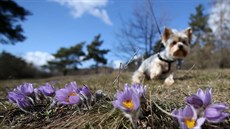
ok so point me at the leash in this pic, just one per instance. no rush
(155, 20)
(160, 46)
(154, 17)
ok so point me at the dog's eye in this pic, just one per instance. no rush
(174, 42)
(184, 42)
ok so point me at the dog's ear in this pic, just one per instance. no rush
(188, 32)
(166, 35)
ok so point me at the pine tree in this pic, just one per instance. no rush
(203, 47)
(11, 15)
(67, 58)
(95, 53)
(199, 24)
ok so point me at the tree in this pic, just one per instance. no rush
(15, 67)
(95, 53)
(211, 48)
(199, 24)
(140, 32)
(203, 48)
(67, 58)
(157, 47)
(11, 15)
(219, 22)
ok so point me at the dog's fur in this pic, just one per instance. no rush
(177, 46)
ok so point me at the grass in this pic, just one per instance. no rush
(103, 115)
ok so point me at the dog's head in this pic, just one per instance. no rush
(177, 44)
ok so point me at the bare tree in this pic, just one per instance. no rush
(219, 21)
(140, 32)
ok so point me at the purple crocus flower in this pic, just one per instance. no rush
(19, 99)
(39, 96)
(47, 90)
(85, 92)
(127, 101)
(67, 96)
(200, 99)
(86, 96)
(36, 90)
(73, 85)
(215, 112)
(26, 89)
(187, 118)
(13, 96)
(139, 89)
(23, 103)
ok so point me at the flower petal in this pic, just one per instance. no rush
(220, 118)
(12, 96)
(115, 104)
(195, 101)
(136, 101)
(74, 99)
(176, 114)
(188, 112)
(219, 106)
(126, 87)
(211, 113)
(47, 90)
(208, 97)
(85, 91)
(200, 122)
(26, 88)
(201, 94)
(183, 125)
(214, 113)
(61, 95)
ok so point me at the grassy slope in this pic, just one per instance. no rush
(103, 115)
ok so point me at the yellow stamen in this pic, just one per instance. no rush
(70, 94)
(128, 104)
(190, 123)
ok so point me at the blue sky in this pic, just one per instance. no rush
(57, 23)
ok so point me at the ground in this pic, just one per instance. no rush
(103, 115)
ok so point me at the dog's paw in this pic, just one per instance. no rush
(169, 81)
(136, 81)
(137, 77)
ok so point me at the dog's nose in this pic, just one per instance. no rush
(180, 46)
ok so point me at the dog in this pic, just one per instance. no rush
(177, 46)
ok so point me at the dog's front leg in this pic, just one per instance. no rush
(155, 72)
(169, 80)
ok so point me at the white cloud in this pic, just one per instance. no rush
(93, 7)
(38, 58)
(116, 64)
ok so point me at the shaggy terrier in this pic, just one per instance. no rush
(177, 46)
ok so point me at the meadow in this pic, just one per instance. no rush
(103, 115)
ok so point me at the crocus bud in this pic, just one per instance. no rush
(47, 90)
(26, 89)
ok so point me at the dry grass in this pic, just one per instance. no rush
(103, 115)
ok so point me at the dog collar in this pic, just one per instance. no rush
(167, 61)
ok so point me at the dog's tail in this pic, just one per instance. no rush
(137, 77)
